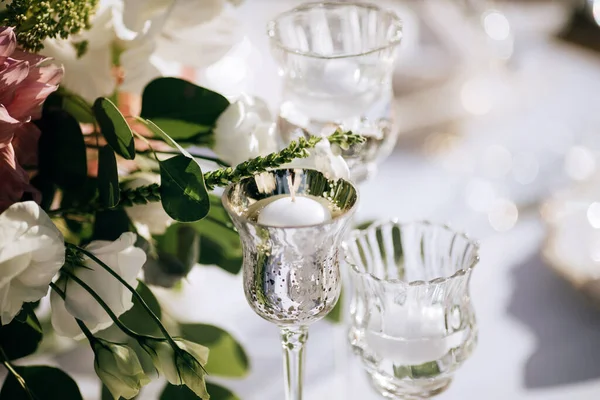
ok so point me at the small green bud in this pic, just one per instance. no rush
(119, 369)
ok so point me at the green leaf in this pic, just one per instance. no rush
(115, 128)
(181, 108)
(110, 224)
(108, 177)
(76, 197)
(62, 153)
(163, 135)
(227, 357)
(137, 318)
(45, 383)
(78, 108)
(22, 336)
(216, 392)
(180, 243)
(47, 189)
(183, 192)
(220, 244)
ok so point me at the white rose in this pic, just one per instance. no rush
(245, 130)
(120, 255)
(151, 217)
(324, 158)
(154, 37)
(32, 250)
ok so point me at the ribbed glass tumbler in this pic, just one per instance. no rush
(412, 320)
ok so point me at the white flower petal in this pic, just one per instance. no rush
(242, 132)
(151, 216)
(124, 259)
(31, 253)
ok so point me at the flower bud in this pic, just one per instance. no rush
(184, 367)
(119, 368)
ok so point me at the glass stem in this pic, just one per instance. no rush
(293, 340)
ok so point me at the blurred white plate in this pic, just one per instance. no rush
(572, 246)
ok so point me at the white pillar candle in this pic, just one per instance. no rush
(288, 212)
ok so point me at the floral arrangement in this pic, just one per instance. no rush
(101, 199)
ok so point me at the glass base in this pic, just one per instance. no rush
(413, 390)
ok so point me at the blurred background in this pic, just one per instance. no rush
(497, 105)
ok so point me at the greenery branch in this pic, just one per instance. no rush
(101, 302)
(88, 334)
(14, 373)
(75, 249)
(225, 176)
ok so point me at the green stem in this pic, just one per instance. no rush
(14, 373)
(195, 155)
(133, 292)
(103, 304)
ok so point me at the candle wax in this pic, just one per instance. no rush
(284, 212)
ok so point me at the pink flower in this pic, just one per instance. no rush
(25, 83)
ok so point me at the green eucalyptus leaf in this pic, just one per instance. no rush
(216, 392)
(47, 189)
(78, 108)
(45, 383)
(22, 336)
(108, 177)
(220, 244)
(181, 108)
(179, 243)
(61, 149)
(137, 318)
(115, 128)
(227, 357)
(111, 224)
(168, 139)
(77, 197)
(183, 192)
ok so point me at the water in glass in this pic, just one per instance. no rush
(336, 60)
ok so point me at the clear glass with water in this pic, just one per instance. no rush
(412, 320)
(336, 61)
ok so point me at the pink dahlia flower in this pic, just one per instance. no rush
(24, 86)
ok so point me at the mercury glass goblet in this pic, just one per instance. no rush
(412, 320)
(336, 60)
(291, 274)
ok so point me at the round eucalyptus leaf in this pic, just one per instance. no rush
(115, 128)
(44, 383)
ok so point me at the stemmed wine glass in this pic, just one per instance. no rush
(291, 274)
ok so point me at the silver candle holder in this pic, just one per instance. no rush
(291, 274)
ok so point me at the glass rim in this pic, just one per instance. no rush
(356, 233)
(307, 6)
(228, 206)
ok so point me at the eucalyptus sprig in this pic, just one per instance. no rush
(37, 20)
(225, 176)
